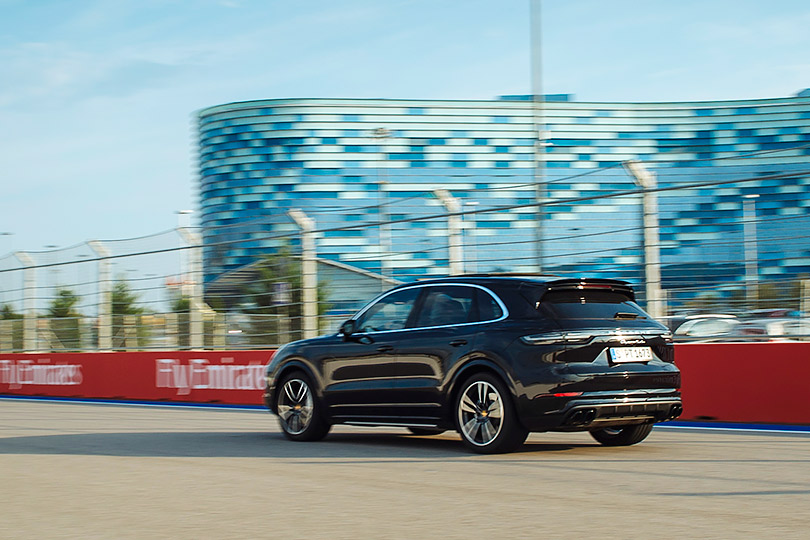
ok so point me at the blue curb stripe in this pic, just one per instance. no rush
(735, 426)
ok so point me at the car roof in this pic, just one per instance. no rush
(550, 281)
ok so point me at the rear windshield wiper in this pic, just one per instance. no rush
(626, 315)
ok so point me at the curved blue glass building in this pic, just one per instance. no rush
(351, 163)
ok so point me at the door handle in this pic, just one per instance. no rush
(458, 342)
(385, 348)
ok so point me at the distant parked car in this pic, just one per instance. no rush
(492, 357)
(708, 327)
(775, 329)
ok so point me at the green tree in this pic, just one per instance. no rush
(124, 306)
(7, 313)
(62, 306)
(779, 295)
(64, 319)
(274, 297)
(731, 301)
(181, 305)
(124, 301)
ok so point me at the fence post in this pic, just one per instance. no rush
(220, 331)
(194, 289)
(455, 253)
(309, 272)
(170, 329)
(105, 296)
(29, 301)
(6, 335)
(750, 250)
(652, 262)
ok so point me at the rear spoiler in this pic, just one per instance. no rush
(613, 285)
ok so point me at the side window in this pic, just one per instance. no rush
(488, 308)
(445, 305)
(390, 313)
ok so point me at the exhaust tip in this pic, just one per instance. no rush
(582, 417)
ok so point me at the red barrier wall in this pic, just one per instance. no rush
(233, 377)
(730, 382)
(745, 382)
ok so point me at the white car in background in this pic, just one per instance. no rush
(707, 327)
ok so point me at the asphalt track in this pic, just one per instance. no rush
(86, 471)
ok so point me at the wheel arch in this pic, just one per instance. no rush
(289, 366)
(478, 365)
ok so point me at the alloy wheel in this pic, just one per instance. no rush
(295, 406)
(480, 413)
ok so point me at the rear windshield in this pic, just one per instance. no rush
(590, 304)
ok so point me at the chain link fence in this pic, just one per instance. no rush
(731, 252)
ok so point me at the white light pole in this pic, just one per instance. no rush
(539, 130)
(751, 250)
(652, 261)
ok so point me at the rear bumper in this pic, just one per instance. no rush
(593, 412)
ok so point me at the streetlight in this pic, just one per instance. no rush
(750, 247)
(541, 192)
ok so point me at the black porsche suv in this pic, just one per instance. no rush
(493, 357)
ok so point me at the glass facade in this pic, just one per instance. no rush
(351, 163)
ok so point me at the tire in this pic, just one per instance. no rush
(300, 414)
(486, 418)
(624, 436)
(425, 432)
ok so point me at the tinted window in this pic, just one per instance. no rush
(590, 304)
(446, 305)
(488, 308)
(390, 313)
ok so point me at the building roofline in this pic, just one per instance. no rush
(236, 105)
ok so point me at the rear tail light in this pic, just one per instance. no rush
(550, 338)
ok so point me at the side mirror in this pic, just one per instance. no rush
(349, 327)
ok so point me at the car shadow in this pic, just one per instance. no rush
(240, 444)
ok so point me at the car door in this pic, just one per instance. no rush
(444, 330)
(361, 367)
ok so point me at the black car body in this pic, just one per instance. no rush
(493, 357)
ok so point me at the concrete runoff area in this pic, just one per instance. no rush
(85, 471)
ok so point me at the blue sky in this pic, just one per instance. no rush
(97, 97)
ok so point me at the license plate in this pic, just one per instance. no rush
(619, 355)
